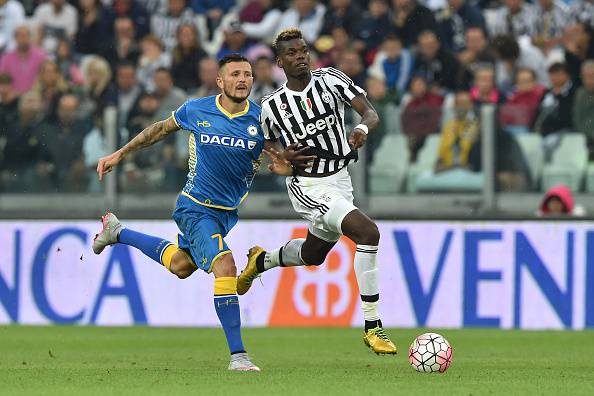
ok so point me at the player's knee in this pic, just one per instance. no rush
(312, 258)
(225, 266)
(368, 234)
(181, 266)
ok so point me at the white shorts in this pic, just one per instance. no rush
(323, 201)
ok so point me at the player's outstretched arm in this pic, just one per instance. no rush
(369, 120)
(149, 136)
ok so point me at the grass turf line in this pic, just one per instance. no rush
(146, 361)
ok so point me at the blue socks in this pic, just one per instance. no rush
(147, 244)
(227, 306)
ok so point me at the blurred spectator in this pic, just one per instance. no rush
(12, 15)
(394, 65)
(265, 27)
(152, 58)
(165, 27)
(458, 135)
(236, 41)
(54, 20)
(331, 48)
(378, 96)
(373, 27)
(579, 46)
(147, 170)
(410, 19)
(455, 19)
(520, 109)
(421, 115)
(50, 84)
(186, 57)
(254, 11)
(124, 47)
(170, 97)
(341, 13)
(307, 15)
(94, 32)
(9, 103)
(351, 64)
(209, 70)
(439, 65)
(128, 91)
(484, 90)
(213, 10)
(512, 55)
(477, 49)
(24, 62)
(264, 82)
(552, 16)
(555, 109)
(558, 201)
(583, 106)
(154, 6)
(63, 137)
(514, 17)
(582, 11)
(25, 165)
(133, 10)
(68, 63)
(99, 92)
(94, 147)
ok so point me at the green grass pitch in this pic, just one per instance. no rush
(171, 361)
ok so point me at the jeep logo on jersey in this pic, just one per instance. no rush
(315, 126)
(228, 141)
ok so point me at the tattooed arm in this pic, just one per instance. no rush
(149, 136)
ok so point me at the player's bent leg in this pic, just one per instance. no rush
(296, 252)
(160, 250)
(227, 308)
(364, 232)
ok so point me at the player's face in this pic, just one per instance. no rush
(294, 58)
(235, 80)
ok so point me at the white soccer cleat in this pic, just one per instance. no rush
(109, 233)
(242, 362)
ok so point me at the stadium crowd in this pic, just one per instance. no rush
(432, 64)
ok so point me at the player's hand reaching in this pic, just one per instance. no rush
(284, 162)
(106, 164)
(297, 157)
(278, 165)
(357, 138)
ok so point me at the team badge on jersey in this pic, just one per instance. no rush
(252, 130)
(326, 97)
(306, 104)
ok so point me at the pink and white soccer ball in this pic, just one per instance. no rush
(430, 353)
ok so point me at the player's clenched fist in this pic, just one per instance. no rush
(357, 138)
(106, 164)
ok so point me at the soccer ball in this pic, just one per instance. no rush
(430, 353)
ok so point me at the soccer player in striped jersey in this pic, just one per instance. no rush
(308, 110)
(225, 145)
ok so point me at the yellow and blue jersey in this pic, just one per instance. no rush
(224, 149)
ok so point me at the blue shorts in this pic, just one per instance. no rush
(203, 231)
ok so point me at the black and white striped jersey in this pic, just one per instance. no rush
(313, 117)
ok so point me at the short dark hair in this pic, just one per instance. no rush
(284, 36)
(558, 67)
(232, 58)
(506, 47)
(163, 69)
(392, 37)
